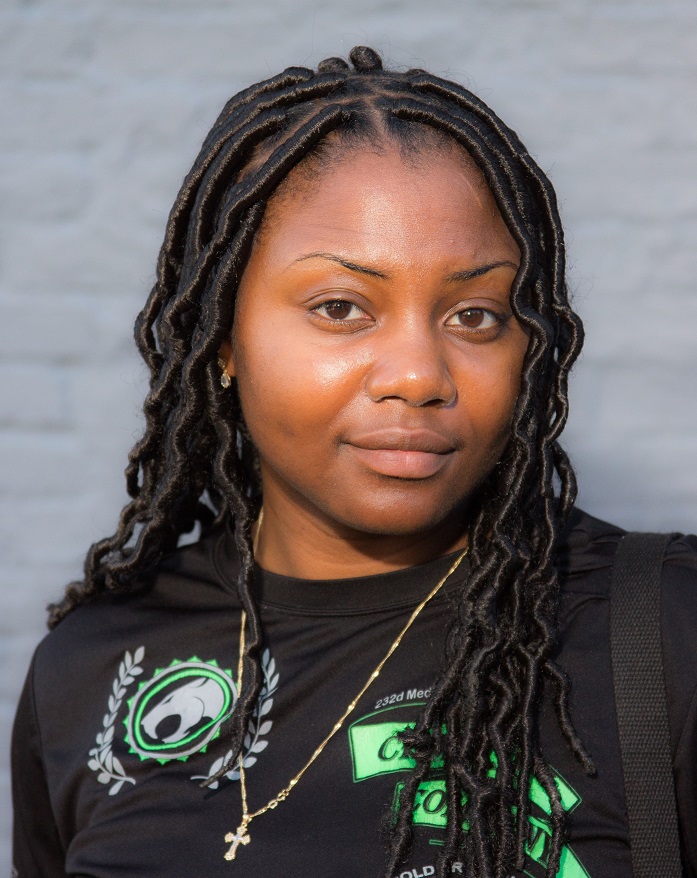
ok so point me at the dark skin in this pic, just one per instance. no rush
(377, 360)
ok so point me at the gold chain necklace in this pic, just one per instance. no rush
(242, 837)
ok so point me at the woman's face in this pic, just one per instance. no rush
(375, 353)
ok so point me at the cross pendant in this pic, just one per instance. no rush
(236, 839)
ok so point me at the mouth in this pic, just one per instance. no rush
(402, 454)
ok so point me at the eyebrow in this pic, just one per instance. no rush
(464, 275)
(470, 273)
(352, 266)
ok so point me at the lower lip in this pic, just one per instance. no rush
(401, 464)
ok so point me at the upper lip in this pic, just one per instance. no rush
(402, 439)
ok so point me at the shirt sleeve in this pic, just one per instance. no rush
(37, 849)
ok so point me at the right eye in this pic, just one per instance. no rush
(339, 310)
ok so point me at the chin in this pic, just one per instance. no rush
(400, 520)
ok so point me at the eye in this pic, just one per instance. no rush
(478, 320)
(339, 310)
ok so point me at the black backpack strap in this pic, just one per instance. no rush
(640, 699)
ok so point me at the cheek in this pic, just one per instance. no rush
(491, 387)
(489, 391)
(328, 377)
(291, 389)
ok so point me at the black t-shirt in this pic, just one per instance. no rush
(121, 715)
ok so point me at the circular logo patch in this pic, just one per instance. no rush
(179, 710)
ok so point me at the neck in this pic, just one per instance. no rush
(307, 545)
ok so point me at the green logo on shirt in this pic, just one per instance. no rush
(376, 750)
(175, 713)
(179, 710)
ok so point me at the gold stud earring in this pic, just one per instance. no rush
(225, 377)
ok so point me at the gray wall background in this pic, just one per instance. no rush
(103, 106)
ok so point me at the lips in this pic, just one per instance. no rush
(401, 453)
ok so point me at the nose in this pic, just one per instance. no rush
(411, 366)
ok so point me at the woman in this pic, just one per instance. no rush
(359, 342)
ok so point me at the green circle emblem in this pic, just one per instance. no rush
(179, 710)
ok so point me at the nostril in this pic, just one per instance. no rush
(417, 382)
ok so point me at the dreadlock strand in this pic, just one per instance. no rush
(226, 466)
(400, 824)
(252, 96)
(214, 142)
(255, 187)
(171, 378)
(560, 682)
(546, 779)
(235, 142)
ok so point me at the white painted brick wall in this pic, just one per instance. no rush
(103, 104)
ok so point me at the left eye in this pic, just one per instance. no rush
(339, 309)
(475, 318)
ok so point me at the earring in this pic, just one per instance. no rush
(224, 378)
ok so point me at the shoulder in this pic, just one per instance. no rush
(586, 558)
(586, 555)
(184, 588)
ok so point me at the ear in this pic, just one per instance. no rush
(226, 355)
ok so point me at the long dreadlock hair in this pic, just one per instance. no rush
(196, 462)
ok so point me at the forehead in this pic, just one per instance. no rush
(388, 206)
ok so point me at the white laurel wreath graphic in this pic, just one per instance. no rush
(104, 761)
(254, 741)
